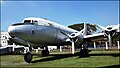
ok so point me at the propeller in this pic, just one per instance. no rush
(109, 31)
(110, 40)
(74, 37)
(117, 28)
(73, 46)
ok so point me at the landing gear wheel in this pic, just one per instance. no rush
(45, 52)
(28, 57)
(84, 53)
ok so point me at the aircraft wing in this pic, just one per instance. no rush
(95, 37)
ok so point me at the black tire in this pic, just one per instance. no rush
(45, 52)
(28, 57)
(83, 52)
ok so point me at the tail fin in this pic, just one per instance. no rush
(84, 30)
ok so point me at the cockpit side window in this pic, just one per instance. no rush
(35, 22)
(41, 23)
(49, 24)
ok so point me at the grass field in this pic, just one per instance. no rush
(65, 59)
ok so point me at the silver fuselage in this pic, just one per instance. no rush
(40, 35)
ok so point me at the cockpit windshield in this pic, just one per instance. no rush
(27, 21)
(37, 22)
(31, 22)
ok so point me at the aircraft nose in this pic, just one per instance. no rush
(11, 30)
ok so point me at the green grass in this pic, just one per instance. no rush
(64, 59)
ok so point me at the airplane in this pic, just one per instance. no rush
(40, 32)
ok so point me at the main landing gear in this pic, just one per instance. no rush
(45, 51)
(28, 55)
(84, 51)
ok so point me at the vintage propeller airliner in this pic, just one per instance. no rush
(40, 32)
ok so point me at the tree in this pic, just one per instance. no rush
(90, 28)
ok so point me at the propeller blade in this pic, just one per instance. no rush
(101, 27)
(73, 47)
(110, 40)
(116, 27)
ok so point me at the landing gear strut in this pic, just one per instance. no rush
(45, 52)
(28, 55)
(84, 51)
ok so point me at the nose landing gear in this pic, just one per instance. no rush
(28, 55)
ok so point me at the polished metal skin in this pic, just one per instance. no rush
(39, 35)
(42, 32)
